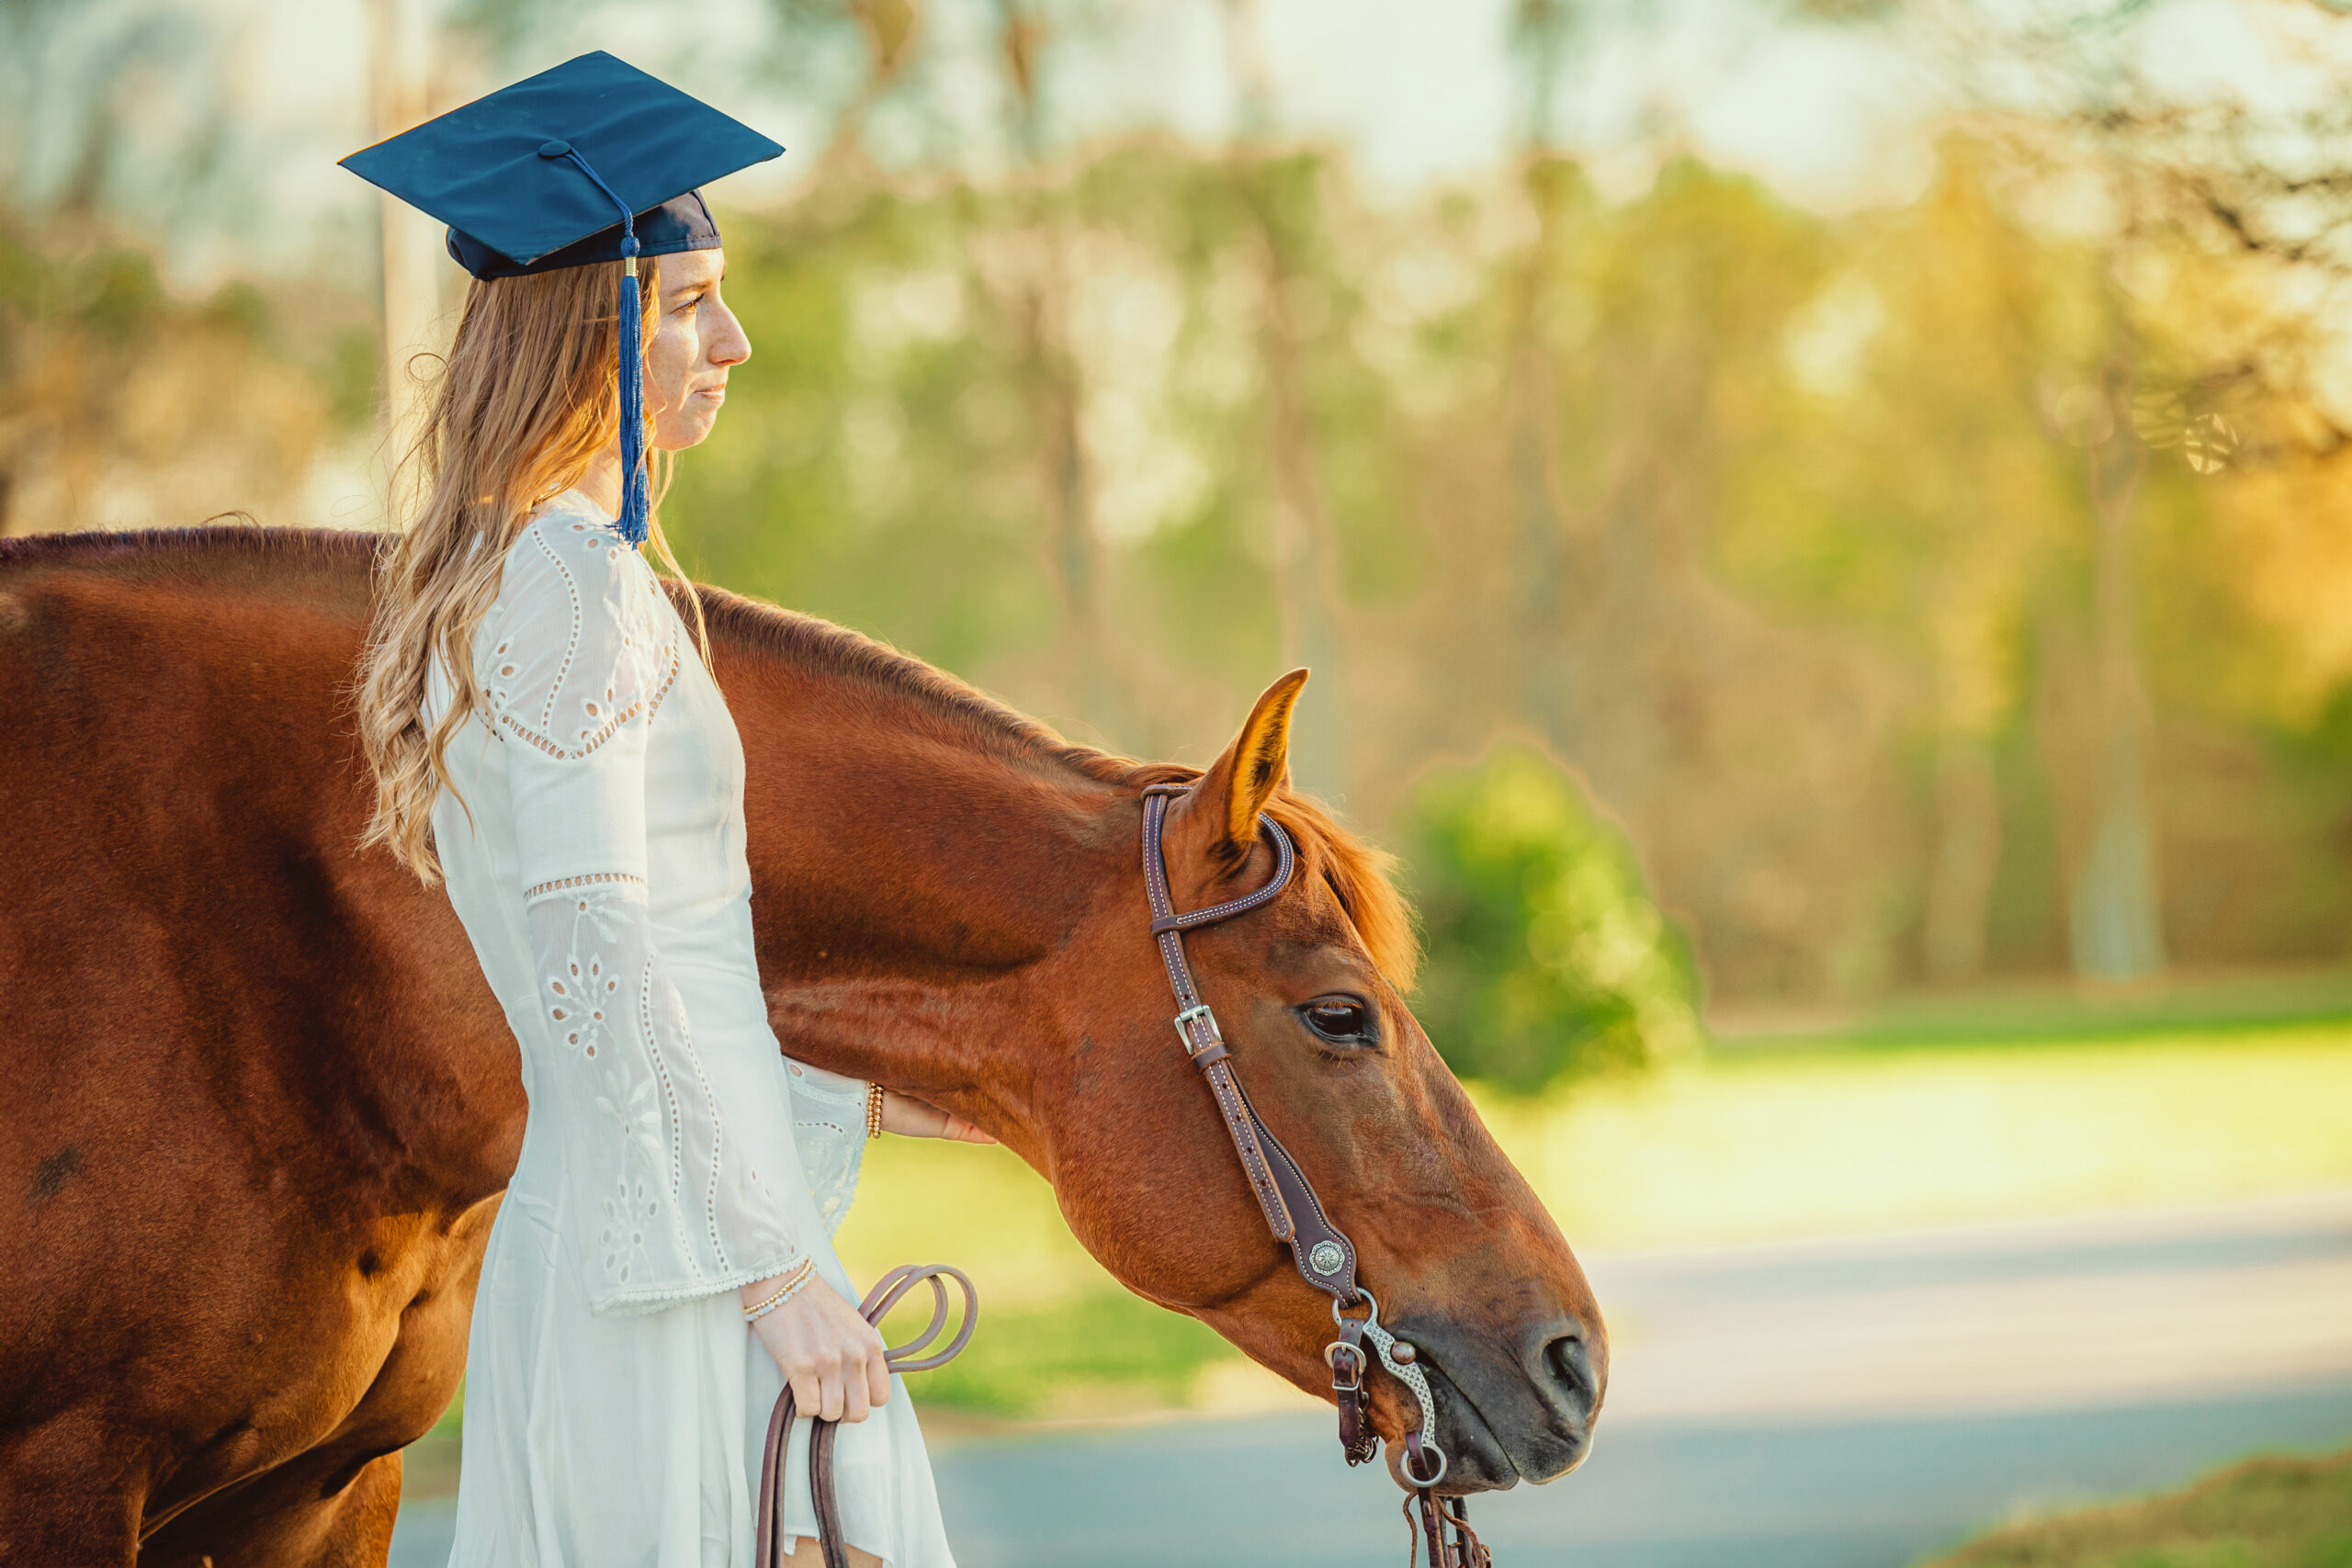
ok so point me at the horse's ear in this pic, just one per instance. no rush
(1237, 787)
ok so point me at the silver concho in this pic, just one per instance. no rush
(1324, 1257)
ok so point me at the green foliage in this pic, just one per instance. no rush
(1775, 526)
(351, 377)
(1546, 956)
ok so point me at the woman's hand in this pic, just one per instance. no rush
(830, 1356)
(913, 1118)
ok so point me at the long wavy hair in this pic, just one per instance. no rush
(527, 397)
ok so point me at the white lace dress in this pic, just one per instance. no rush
(614, 1401)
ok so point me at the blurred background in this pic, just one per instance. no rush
(1824, 533)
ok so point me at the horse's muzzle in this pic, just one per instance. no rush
(1514, 1407)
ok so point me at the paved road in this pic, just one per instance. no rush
(1843, 1404)
(1875, 1494)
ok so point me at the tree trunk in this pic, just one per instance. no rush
(1056, 395)
(1538, 550)
(398, 41)
(2116, 929)
(1968, 849)
(1305, 552)
(1305, 548)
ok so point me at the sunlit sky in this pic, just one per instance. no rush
(1422, 92)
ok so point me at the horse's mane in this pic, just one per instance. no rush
(1357, 871)
(257, 558)
(284, 562)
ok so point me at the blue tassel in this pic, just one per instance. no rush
(635, 506)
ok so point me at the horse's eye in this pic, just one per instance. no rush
(1342, 1020)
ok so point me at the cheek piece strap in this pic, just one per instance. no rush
(1325, 1257)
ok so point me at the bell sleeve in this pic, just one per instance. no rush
(829, 1128)
(669, 1148)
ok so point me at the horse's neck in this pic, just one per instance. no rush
(905, 888)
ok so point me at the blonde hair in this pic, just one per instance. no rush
(527, 399)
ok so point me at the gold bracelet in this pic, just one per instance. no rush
(793, 1279)
(873, 1110)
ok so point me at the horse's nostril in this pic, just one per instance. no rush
(1568, 1360)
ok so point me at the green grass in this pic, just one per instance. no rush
(1829, 1140)
(2269, 1513)
(1099, 1353)
(1799, 1141)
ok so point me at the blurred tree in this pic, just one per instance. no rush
(411, 260)
(1871, 568)
(1540, 34)
(1545, 955)
(2116, 925)
(72, 75)
(123, 407)
(1032, 277)
(1275, 194)
(1920, 498)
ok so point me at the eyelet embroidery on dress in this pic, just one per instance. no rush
(638, 1100)
(719, 1156)
(622, 1245)
(645, 663)
(594, 878)
(650, 1033)
(829, 1130)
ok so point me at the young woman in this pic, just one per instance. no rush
(548, 739)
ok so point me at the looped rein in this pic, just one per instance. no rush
(916, 1355)
(1325, 1257)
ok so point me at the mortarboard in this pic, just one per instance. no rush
(529, 179)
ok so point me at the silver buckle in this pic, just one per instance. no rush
(1197, 1013)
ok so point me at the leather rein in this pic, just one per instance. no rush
(1326, 1258)
(771, 1542)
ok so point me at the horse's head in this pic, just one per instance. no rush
(951, 899)
(1462, 1259)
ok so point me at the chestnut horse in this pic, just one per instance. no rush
(259, 1103)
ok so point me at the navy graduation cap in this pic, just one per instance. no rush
(531, 178)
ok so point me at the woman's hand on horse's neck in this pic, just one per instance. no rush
(910, 1118)
(906, 905)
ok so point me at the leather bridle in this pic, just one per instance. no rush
(1324, 1257)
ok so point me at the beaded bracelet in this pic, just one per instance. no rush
(873, 1110)
(794, 1282)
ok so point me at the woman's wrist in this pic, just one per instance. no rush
(762, 1297)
